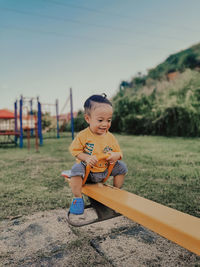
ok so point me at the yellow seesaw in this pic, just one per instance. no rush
(174, 225)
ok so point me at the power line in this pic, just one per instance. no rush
(115, 14)
(78, 7)
(53, 33)
(28, 13)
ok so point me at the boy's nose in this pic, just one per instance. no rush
(104, 124)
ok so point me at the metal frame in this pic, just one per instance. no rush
(102, 213)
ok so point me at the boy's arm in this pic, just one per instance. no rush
(92, 160)
(116, 153)
(77, 147)
(89, 159)
(114, 156)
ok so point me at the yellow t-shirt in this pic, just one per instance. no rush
(93, 144)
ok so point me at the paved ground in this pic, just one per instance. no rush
(45, 239)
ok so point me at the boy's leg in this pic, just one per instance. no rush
(118, 180)
(76, 185)
(119, 171)
(77, 206)
(77, 172)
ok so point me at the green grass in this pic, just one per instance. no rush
(166, 170)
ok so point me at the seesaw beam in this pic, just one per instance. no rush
(174, 225)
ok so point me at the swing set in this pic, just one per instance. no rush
(52, 121)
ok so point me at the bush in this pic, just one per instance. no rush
(191, 61)
(128, 111)
(79, 122)
(116, 125)
(137, 124)
(177, 121)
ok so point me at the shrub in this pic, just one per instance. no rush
(177, 121)
(137, 124)
(79, 122)
(191, 61)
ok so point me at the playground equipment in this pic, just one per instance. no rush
(174, 225)
(31, 118)
(19, 124)
(102, 212)
(29, 123)
(8, 127)
(70, 115)
(50, 120)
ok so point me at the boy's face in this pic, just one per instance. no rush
(100, 118)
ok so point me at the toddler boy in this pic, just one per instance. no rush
(91, 142)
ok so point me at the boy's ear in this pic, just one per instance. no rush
(87, 118)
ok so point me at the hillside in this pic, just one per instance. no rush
(163, 102)
(179, 62)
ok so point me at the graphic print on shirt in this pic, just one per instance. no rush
(89, 147)
(107, 149)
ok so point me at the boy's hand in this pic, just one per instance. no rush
(91, 160)
(114, 156)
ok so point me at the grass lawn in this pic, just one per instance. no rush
(166, 170)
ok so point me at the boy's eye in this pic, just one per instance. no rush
(109, 120)
(100, 120)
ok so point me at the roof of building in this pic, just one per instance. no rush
(6, 114)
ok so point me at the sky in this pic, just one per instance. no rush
(50, 46)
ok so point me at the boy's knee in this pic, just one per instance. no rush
(123, 167)
(119, 168)
(78, 169)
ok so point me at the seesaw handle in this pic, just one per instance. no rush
(88, 168)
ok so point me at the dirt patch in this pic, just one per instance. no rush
(31, 235)
(137, 246)
(45, 239)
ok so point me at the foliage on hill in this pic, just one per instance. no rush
(189, 58)
(176, 63)
(168, 108)
(165, 101)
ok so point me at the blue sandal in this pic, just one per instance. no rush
(77, 206)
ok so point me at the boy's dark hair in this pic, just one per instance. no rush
(97, 99)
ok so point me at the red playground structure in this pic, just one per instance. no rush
(8, 127)
(30, 119)
(20, 124)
